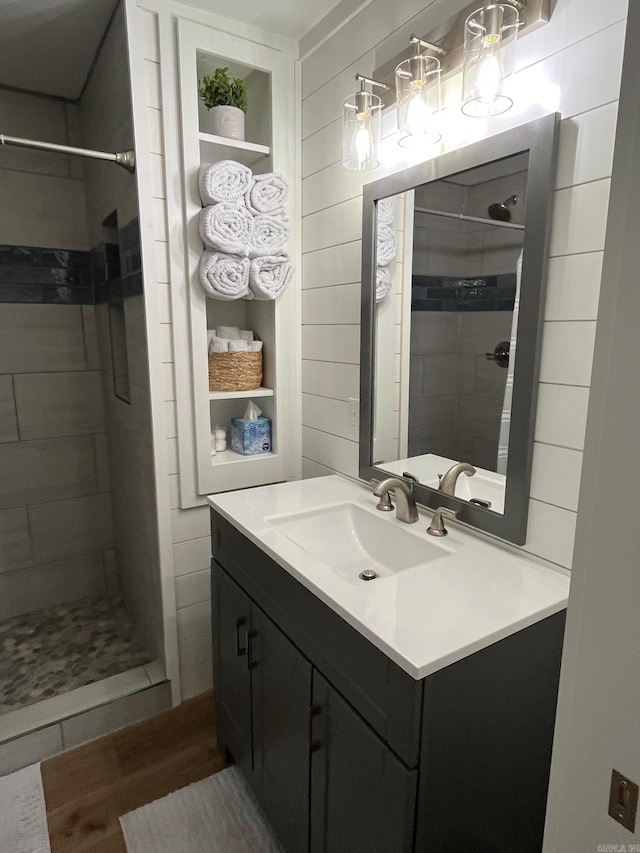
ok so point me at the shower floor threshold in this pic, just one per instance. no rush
(48, 712)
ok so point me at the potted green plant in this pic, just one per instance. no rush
(225, 99)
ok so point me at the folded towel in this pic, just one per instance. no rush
(231, 333)
(387, 245)
(267, 194)
(238, 346)
(218, 345)
(227, 227)
(269, 275)
(383, 283)
(255, 346)
(225, 277)
(224, 181)
(268, 235)
(245, 335)
(386, 211)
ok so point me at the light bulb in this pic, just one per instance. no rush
(489, 76)
(362, 147)
(417, 120)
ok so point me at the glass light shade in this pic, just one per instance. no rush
(418, 100)
(361, 131)
(490, 36)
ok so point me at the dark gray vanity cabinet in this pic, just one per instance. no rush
(263, 695)
(362, 796)
(346, 752)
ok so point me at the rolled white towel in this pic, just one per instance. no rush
(383, 283)
(268, 235)
(269, 276)
(225, 277)
(230, 333)
(224, 181)
(387, 245)
(228, 227)
(386, 211)
(267, 194)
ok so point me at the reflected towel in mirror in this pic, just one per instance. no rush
(387, 245)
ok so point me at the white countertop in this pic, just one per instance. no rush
(425, 617)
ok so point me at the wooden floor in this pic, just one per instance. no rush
(87, 790)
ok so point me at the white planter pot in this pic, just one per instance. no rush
(226, 121)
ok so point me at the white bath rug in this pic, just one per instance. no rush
(217, 815)
(23, 815)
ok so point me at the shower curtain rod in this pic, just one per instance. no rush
(126, 159)
(494, 222)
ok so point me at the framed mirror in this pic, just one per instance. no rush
(453, 281)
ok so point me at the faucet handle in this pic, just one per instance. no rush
(437, 528)
(384, 504)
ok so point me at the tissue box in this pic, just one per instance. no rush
(251, 437)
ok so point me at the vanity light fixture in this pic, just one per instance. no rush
(418, 95)
(490, 36)
(361, 127)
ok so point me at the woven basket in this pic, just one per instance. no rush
(235, 371)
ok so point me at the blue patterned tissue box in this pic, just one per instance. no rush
(251, 437)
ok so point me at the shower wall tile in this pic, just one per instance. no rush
(51, 405)
(51, 584)
(8, 422)
(46, 470)
(41, 338)
(90, 328)
(15, 546)
(70, 528)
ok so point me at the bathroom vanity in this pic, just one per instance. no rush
(414, 712)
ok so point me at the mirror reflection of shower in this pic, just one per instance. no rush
(501, 211)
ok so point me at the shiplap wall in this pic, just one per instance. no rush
(190, 528)
(573, 65)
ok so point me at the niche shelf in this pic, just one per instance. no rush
(213, 148)
(269, 73)
(240, 395)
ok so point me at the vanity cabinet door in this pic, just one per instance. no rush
(231, 617)
(281, 707)
(362, 796)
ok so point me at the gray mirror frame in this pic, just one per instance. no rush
(540, 139)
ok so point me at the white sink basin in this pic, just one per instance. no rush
(350, 540)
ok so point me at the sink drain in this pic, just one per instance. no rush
(368, 575)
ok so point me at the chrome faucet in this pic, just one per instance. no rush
(449, 480)
(406, 509)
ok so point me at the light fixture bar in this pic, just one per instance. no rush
(427, 45)
(362, 79)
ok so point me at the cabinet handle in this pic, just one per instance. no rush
(314, 711)
(251, 663)
(240, 623)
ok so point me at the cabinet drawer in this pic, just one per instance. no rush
(386, 696)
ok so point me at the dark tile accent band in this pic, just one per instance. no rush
(41, 276)
(443, 293)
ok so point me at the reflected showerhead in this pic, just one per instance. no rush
(501, 211)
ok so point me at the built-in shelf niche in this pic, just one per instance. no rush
(269, 74)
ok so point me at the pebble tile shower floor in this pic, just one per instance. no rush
(51, 651)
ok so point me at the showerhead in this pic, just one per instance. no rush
(501, 211)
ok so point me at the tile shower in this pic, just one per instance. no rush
(63, 623)
(79, 579)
